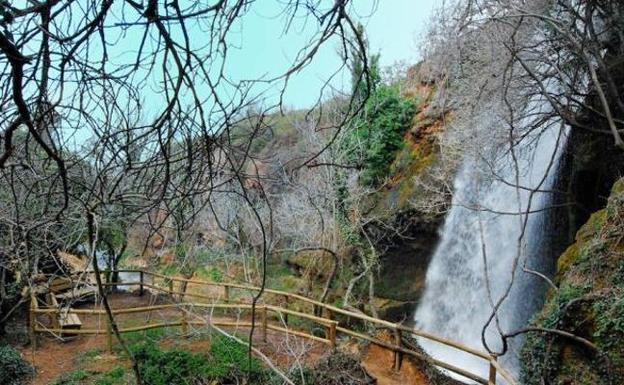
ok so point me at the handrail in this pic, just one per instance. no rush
(332, 325)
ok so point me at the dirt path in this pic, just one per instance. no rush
(53, 358)
(379, 363)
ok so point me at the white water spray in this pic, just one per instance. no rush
(486, 204)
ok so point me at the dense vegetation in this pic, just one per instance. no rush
(588, 303)
(224, 363)
(196, 174)
(14, 370)
(378, 132)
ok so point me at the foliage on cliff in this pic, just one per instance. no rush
(378, 132)
(416, 176)
(589, 303)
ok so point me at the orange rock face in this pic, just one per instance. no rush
(379, 361)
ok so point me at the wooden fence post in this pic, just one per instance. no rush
(492, 377)
(264, 323)
(32, 319)
(397, 354)
(141, 285)
(183, 288)
(332, 334)
(226, 298)
(287, 303)
(329, 322)
(184, 325)
(226, 294)
(109, 335)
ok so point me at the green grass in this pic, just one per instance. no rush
(76, 377)
(89, 355)
(280, 277)
(212, 273)
(151, 335)
(116, 376)
(171, 269)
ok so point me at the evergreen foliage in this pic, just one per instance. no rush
(226, 363)
(13, 369)
(377, 134)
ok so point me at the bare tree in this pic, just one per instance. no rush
(515, 70)
(116, 105)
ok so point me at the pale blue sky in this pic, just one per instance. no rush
(396, 26)
(393, 28)
(258, 48)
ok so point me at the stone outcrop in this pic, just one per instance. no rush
(587, 303)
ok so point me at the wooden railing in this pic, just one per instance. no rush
(328, 317)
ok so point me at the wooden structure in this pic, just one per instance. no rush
(59, 292)
(271, 315)
(65, 320)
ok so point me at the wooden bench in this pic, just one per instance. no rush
(69, 321)
(65, 320)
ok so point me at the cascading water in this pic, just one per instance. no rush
(485, 208)
(102, 261)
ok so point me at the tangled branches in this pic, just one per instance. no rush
(132, 107)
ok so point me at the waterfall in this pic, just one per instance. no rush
(102, 262)
(455, 303)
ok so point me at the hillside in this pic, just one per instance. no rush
(289, 192)
(587, 303)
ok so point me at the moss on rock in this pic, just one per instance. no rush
(589, 303)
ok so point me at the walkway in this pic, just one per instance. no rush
(228, 305)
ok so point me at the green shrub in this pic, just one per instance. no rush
(114, 377)
(589, 303)
(116, 373)
(229, 359)
(14, 370)
(149, 335)
(82, 377)
(76, 377)
(377, 133)
(226, 363)
(170, 367)
(539, 360)
(609, 312)
(215, 274)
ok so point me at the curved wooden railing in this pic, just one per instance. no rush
(327, 318)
